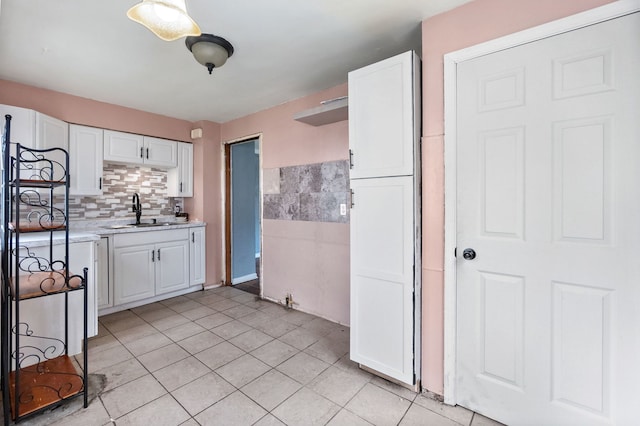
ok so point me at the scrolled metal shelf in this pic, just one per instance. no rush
(43, 384)
(33, 168)
(38, 284)
(37, 349)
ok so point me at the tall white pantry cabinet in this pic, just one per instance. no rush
(384, 149)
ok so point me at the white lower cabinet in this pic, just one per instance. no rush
(134, 273)
(172, 266)
(197, 256)
(147, 264)
(103, 284)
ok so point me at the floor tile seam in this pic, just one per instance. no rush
(193, 354)
(245, 353)
(193, 416)
(178, 360)
(294, 379)
(265, 408)
(320, 359)
(338, 412)
(161, 331)
(125, 348)
(346, 403)
(201, 305)
(444, 415)
(359, 416)
(256, 348)
(300, 350)
(191, 381)
(155, 349)
(405, 413)
(149, 307)
(208, 406)
(390, 391)
(228, 341)
(220, 366)
(281, 362)
(143, 366)
(144, 353)
(111, 419)
(250, 325)
(294, 394)
(180, 325)
(146, 403)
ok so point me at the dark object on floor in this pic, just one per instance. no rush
(252, 286)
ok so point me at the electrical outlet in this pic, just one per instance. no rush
(343, 209)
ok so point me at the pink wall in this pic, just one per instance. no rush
(467, 25)
(287, 142)
(206, 203)
(308, 259)
(77, 110)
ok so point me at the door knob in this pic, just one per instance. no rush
(469, 254)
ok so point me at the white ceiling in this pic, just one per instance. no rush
(284, 49)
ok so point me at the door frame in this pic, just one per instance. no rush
(226, 195)
(451, 60)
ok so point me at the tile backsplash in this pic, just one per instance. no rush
(119, 183)
(311, 192)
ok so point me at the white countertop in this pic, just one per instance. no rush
(94, 231)
(39, 239)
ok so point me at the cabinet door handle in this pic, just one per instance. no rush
(153, 255)
(352, 198)
(350, 159)
(193, 237)
(158, 255)
(100, 183)
(147, 153)
(180, 186)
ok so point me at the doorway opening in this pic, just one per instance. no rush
(243, 225)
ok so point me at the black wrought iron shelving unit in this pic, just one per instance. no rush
(37, 370)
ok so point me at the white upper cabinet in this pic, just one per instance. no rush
(23, 121)
(160, 152)
(180, 179)
(36, 130)
(51, 132)
(85, 160)
(383, 107)
(120, 147)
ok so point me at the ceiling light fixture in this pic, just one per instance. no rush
(168, 19)
(210, 50)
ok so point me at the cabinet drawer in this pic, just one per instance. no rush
(150, 237)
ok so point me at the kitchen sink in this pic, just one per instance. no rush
(146, 225)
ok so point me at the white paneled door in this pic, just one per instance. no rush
(548, 198)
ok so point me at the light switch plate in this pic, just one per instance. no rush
(343, 209)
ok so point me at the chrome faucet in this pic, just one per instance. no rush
(137, 208)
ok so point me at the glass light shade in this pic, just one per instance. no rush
(168, 19)
(209, 53)
(210, 50)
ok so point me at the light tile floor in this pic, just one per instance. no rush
(224, 357)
